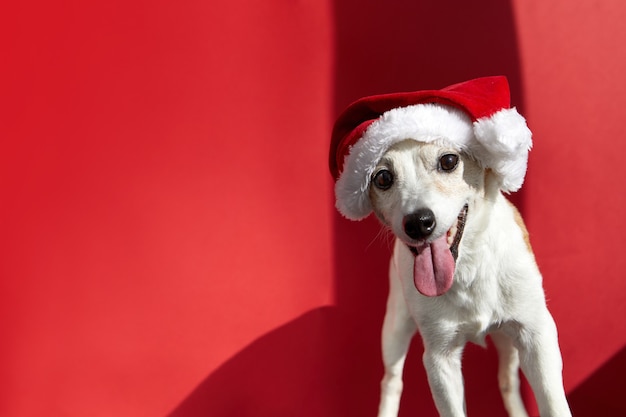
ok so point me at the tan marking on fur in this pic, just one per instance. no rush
(373, 196)
(374, 201)
(443, 187)
(522, 226)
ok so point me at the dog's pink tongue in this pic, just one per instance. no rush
(434, 268)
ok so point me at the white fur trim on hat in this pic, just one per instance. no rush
(420, 122)
(500, 142)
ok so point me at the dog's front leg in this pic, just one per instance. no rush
(508, 374)
(398, 330)
(443, 367)
(541, 362)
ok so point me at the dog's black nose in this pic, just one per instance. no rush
(420, 224)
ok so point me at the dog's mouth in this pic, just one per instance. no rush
(435, 261)
(456, 233)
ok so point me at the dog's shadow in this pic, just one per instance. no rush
(305, 368)
(327, 362)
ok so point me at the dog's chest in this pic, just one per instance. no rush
(476, 330)
(467, 314)
(471, 319)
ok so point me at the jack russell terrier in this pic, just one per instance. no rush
(433, 165)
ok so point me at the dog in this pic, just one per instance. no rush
(462, 268)
(433, 166)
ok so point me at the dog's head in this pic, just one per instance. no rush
(422, 192)
(416, 159)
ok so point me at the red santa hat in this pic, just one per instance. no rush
(474, 117)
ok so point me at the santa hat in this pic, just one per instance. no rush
(474, 117)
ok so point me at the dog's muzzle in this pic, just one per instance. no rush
(456, 230)
(435, 261)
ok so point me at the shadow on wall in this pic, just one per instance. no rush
(600, 395)
(327, 362)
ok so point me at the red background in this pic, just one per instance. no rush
(169, 242)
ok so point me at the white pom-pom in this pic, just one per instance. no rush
(503, 144)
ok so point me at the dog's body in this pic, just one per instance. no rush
(462, 268)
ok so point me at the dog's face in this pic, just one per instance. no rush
(422, 191)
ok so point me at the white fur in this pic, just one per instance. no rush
(497, 287)
(506, 140)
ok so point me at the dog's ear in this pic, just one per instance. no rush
(492, 182)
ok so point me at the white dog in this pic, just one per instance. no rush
(442, 205)
(462, 266)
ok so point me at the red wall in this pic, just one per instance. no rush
(165, 200)
(169, 243)
(573, 61)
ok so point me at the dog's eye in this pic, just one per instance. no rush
(448, 162)
(383, 179)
